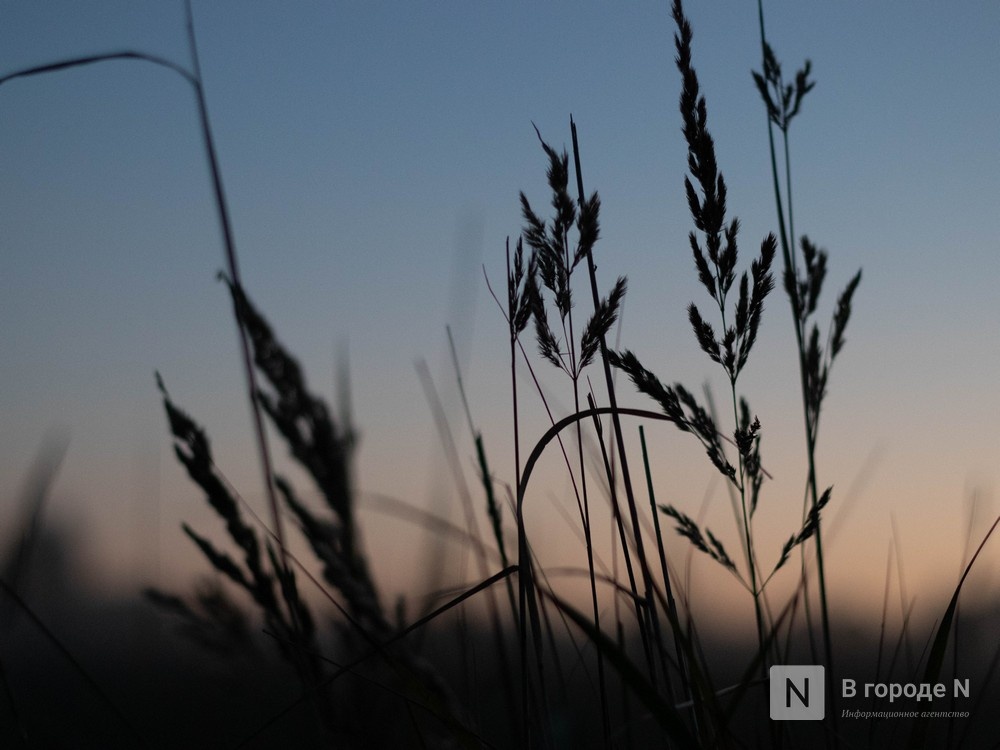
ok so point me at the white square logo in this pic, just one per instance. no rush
(798, 693)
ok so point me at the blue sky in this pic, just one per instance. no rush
(372, 155)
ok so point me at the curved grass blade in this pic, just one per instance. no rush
(935, 659)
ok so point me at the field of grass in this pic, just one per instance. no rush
(291, 641)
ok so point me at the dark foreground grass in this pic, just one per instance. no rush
(302, 649)
(176, 693)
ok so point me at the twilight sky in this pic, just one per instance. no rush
(372, 154)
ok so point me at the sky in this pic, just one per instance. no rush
(372, 155)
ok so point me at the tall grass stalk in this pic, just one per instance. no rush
(717, 273)
(523, 303)
(194, 78)
(783, 102)
(664, 569)
(557, 259)
(229, 244)
(493, 512)
(647, 615)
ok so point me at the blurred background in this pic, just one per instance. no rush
(372, 156)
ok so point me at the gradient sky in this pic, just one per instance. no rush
(372, 155)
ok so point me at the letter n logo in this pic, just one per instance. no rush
(798, 692)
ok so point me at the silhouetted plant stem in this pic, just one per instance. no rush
(810, 411)
(494, 513)
(76, 62)
(522, 294)
(715, 264)
(556, 261)
(640, 613)
(229, 245)
(616, 422)
(788, 194)
(786, 253)
(583, 499)
(512, 322)
(589, 541)
(748, 534)
(528, 606)
(664, 569)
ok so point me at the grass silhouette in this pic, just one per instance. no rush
(646, 673)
